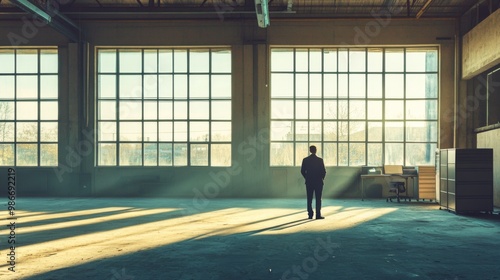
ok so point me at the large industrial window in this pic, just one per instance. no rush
(359, 106)
(28, 107)
(164, 107)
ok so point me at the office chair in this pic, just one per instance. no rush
(398, 188)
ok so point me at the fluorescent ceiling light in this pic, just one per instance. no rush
(32, 8)
(262, 11)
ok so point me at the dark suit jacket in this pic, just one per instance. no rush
(313, 170)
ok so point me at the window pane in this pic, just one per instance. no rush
(7, 154)
(330, 154)
(221, 86)
(374, 131)
(180, 154)
(330, 60)
(420, 154)
(301, 131)
(165, 155)
(301, 85)
(394, 60)
(421, 86)
(315, 110)
(281, 131)
(7, 87)
(221, 131)
(150, 154)
(26, 154)
(220, 155)
(315, 60)
(107, 131)
(343, 109)
(130, 61)
(357, 85)
(48, 155)
(27, 110)
(343, 156)
(199, 132)
(48, 61)
(6, 110)
(330, 109)
(151, 110)
(48, 87)
(343, 85)
(330, 85)
(421, 131)
(27, 87)
(302, 109)
(199, 61)
(6, 132)
(150, 86)
(166, 61)
(315, 86)
(26, 61)
(165, 110)
(130, 154)
(49, 110)
(180, 61)
(180, 110)
(343, 60)
(282, 85)
(180, 132)
(394, 153)
(199, 110)
(375, 60)
(301, 60)
(282, 109)
(421, 60)
(106, 86)
(281, 154)
(343, 131)
(330, 131)
(221, 61)
(357, 109)
(199, 154)
(394, 109)
(165, 86)
(221, 110)
(107, 154)
(130, 131)
(301, 151)
(150, 61)
(394, 86)
(374, 110)
(180, 86)
(374, 154)
(394, 131)
(421, 109)
(107, 61)
(166, 131)
(48, 132)
(199, 86)
(357, 131)
(357, 60)
(282, 60)
(130, 110)
(7, 61)
(357, 154)
(130, 86)
(374, 86)
(150, 131)
(315, 131)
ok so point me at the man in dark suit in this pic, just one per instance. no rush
(313, 170)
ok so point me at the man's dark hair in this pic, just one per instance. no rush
(312, 149)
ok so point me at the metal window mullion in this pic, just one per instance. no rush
(209, 106)
(39, 105)
(404, 106)
(383, 105)
(188, 101)
(337, 103)
(158, 108)
(142, 103)
(117, 96)
(15, 107)
(294, 98)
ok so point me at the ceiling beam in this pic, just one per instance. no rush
(424, 8)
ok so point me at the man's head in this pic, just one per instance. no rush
(312, 149)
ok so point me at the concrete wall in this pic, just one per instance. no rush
(489, 139)
(250, 175)
(481, 47)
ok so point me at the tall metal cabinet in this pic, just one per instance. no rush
(466, 180)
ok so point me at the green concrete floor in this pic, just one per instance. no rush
(124, 239)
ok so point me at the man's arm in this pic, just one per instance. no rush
(303, 168)
(323, 173)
